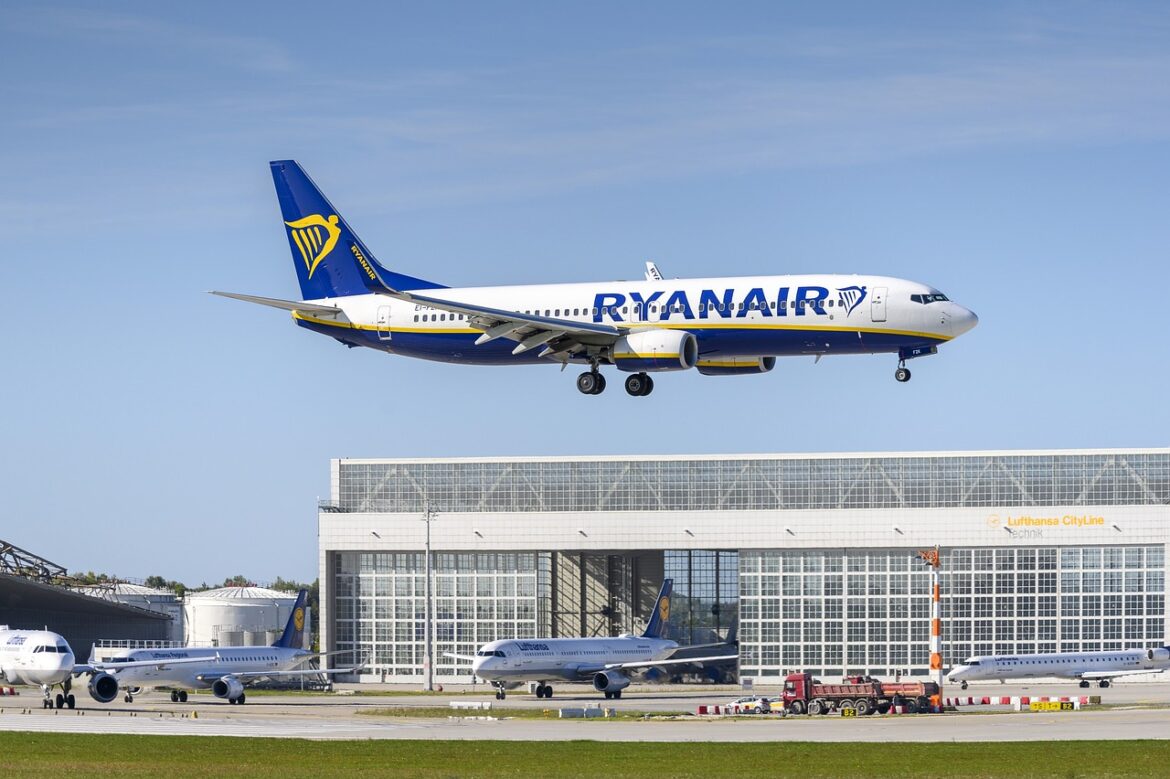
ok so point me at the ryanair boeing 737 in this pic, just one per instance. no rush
(718, 326)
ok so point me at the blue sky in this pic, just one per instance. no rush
(1015, 155)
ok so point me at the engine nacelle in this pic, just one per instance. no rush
(228, 687)
(656, 350)
(735, 366)
(610, 681)
(1158, 655)
(103, 687)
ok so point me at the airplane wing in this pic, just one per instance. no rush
(287, 305)
(561, 338)
(1112, 674)
(89, 668)
(672, 661)
(245, 675)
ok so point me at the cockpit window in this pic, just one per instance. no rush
(935, 297)
(971, 662)
(63, 648)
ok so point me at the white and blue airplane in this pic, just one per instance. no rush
(1085, 667)
(718, 326)
(223, 670)
(604, 662)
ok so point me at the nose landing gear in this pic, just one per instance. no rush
(903, 373)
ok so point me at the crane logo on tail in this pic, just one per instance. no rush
(664, 609)
(299, 619)
(315, 236)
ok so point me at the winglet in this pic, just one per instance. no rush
(661, 615)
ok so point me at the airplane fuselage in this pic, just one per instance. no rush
(570, 659)
(751, 316)
(220, 662)
(36, 657)
(1062, 665)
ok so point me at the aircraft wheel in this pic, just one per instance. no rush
(182, 696)
(174, 696)
(70, 701)
(241, 699)
(1103, 683)
(617, 693)
(636, 384)
(128, 698)
(548, 691)
(902, 375)
(649, 386)
(1084, 683)
(600, 384)
(963, 685)
(60, 701)
(587, 383)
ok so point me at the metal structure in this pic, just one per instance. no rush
(15, 561)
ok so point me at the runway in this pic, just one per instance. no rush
(340, 717)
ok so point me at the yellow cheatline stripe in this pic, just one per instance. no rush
(304, 254)
(636, 356)
(665, 326)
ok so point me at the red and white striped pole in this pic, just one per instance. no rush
(931, 557)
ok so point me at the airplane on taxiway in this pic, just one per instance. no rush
(44, 659)
(1083, 666)
(717, 326)
(223, 670)
(604, 662)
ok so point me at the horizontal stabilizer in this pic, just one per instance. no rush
(287, 305)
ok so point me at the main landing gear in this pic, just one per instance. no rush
(178, 696)
(639, 384)
(613, 695)
(903, 373)
(591, 382)
(543, 690)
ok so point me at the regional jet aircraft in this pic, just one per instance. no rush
(719, 326)
(603, 662)
(223, 670)
(1085, 666)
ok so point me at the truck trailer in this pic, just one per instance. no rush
(803, 693)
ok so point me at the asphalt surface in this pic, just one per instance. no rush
(1128, 712)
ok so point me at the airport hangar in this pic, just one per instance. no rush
(816, 555)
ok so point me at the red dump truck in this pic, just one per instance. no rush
(803, 693)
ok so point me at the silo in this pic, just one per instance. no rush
(238, 614)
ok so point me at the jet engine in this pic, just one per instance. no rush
(228, 687)
(610, 681)
(103, 687)
(656, 350)
(1158, 655)
(735, 366)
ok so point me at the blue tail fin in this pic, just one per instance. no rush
(331, 260)
(294, 632)
(661, 615)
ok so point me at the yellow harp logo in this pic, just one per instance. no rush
(299, 619)
(315, 236)
(664, 610)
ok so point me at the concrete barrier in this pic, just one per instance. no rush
(585, 713)
(8, 691)
(484, 705)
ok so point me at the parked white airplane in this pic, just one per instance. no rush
(223, 670)
(1085, 666)
(509, 663)
(44, 659)
(719, 326)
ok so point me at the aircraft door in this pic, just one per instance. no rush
(877, 306)
(383, 323)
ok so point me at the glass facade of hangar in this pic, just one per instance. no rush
(745, 484)
(842, 611)
(705, 600)
(380, 606)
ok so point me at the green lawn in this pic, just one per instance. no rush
(63, 755)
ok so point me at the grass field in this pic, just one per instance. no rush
(57, 755)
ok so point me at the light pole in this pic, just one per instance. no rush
(428, 652)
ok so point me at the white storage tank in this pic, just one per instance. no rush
(233, 616)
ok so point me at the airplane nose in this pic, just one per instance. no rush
(963, 319)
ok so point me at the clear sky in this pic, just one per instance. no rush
(1015, 155)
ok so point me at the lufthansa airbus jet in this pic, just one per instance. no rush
(603, 662)
(1083, 666)
(718, 326)
(223, 670)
